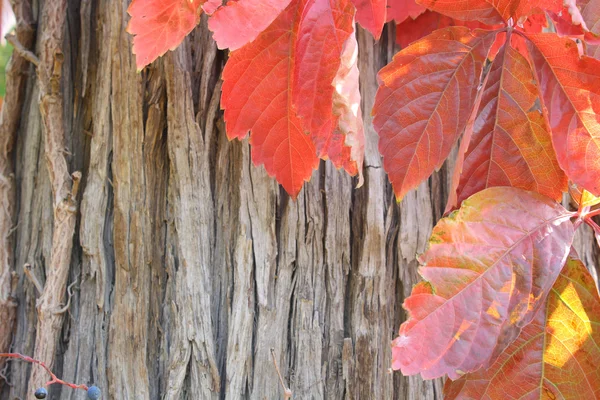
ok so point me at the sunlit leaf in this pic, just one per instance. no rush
(556, 356)
(257, 97)
(489, 267)
(511, 143)
(570, 86)
(425, 97)
(241, 21)
(160, 25)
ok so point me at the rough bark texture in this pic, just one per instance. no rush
(189, 263)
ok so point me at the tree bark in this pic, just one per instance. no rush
(190, 266)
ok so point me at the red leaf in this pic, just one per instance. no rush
(401, 10)
(210, 6)
(490, 12)
(425, 98)
(555, 356)
(347, 144)
(370, 14)
(257, 81)
(580, 20)
(241, 21)
(511, 143)
(412, 30)
(466, 10)
(590, 10)
(490, 266)
(570, 86)
(160, 25)
(324, 27)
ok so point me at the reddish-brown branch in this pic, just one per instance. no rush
(54, 379)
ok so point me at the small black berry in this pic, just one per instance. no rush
(94, 393)
(41, 393)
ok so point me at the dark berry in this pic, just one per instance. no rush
(94, 393)
(41, 393)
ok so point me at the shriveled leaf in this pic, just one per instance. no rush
(400, 10)
(556, 356)
(325, 26)
(160, 25)
(489, 267)
(257, 82)
(241, 21)
(570, 86)
(346, 146)
(371, 15)
(425, 97)
(511, 143)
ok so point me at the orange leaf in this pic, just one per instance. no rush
(511, 143)
(570, 86)
(160, 25)
(257, 97)
(241, 21)
(425, 98)
(555, 356)
(490, 11)
(371, 15)
(490, 266)
(466, 10)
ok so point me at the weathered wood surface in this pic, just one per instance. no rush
(190, 263)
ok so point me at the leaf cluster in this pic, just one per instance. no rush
(505, 305)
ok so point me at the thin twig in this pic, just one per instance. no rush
(287, 393)
(54, 380)
(70, 294)
(32, 278)
(22, 51)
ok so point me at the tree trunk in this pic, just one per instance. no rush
(190, 268)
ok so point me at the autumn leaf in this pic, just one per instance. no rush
(489, 267)
(401, 10)
(325, 26)
(371, 15)
(570, 87)
(582, 197)
(241, 21)
(411, 30)
(466, 10)
(511, 143)
(555, 356)
(256, 97)
(160, 25)
(346, 146)
(425, 97)
(590, 11)
(490, 11)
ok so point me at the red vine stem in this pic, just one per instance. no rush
(54, 380)
(593, 213)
